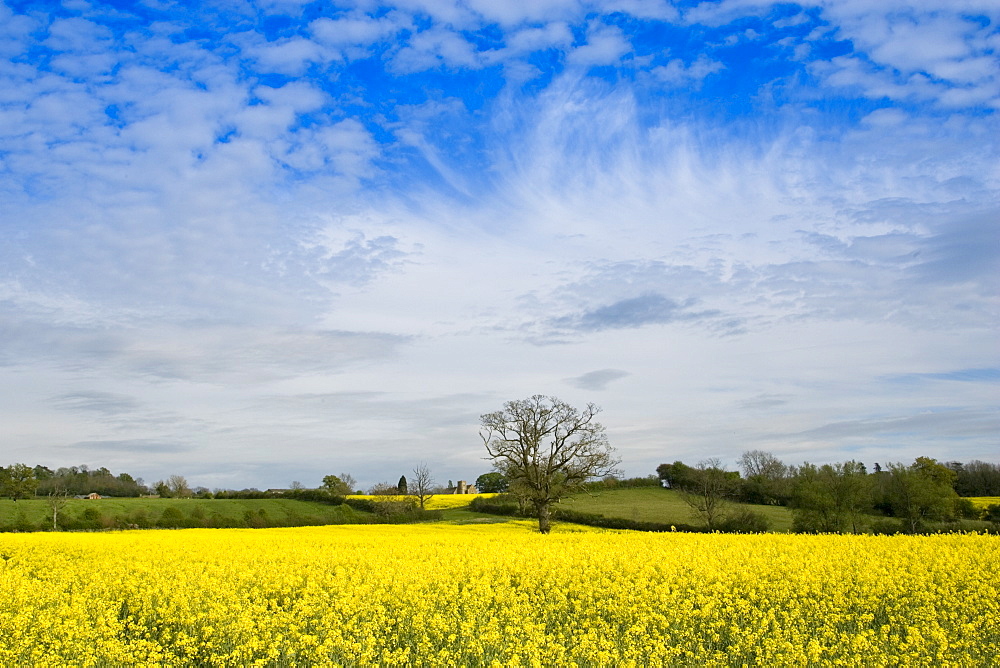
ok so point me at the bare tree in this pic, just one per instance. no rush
(349, 482)
(383, 489)
(761, 463)
(178, 485)
(766, 478)
(422, 484)
(57, 500)
(707, 491)
(547, 449)
(390, 501)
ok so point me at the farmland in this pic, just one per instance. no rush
(35, 514)
(654, 504)
(495, 594)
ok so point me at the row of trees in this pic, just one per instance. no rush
(20, 481)
(420, 486)
(544, 449)
(831, 497)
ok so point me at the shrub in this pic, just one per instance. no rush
(171, 518)
(22, 523)
(391, 506)
(256, 520)
(316, 495)
(746, 521)
(90, 519)
(139, 518)
(612, 482)
(966, 509)
(597, 520)
(811, 521)
(992, 514)
(501, 504)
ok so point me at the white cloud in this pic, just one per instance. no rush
(917, 51)
(517, 13)
(886, 118)
(356, 34)
(76, 34)
(200, 266)
(676, 73)
(605, 46)
(15, 32)
(556, 34)
(289, 56)
(433, 48)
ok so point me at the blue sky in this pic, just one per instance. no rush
(258, 242)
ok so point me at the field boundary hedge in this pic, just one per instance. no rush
(500, 505)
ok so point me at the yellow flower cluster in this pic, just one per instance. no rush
(495, 595)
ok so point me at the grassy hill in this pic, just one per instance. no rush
(665, 506)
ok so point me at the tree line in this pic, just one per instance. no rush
(543, 450)
(20, 481)
(840, 497)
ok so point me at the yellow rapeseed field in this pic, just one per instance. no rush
(495, 594)
(436, 502)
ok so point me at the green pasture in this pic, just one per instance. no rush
(664, 506)
(642, 504)
(111, 513)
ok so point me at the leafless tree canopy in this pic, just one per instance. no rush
(547, 449)
(422, 484)
(762, 464)
(178, 485)
(708, 491)
(383, 489)
(349, 482)
(57, 500)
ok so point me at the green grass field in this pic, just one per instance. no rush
(643, 504)
(654, 504)
(109, 513)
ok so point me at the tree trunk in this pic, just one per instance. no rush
(544, 524)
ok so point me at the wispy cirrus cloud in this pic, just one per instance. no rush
(989, 375)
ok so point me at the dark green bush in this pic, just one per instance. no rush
(992, 514)
(501, 504)
(89, 520)
(966, 509)
(746, 521)
(171, 518)
(256, 519)
(317, 495)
